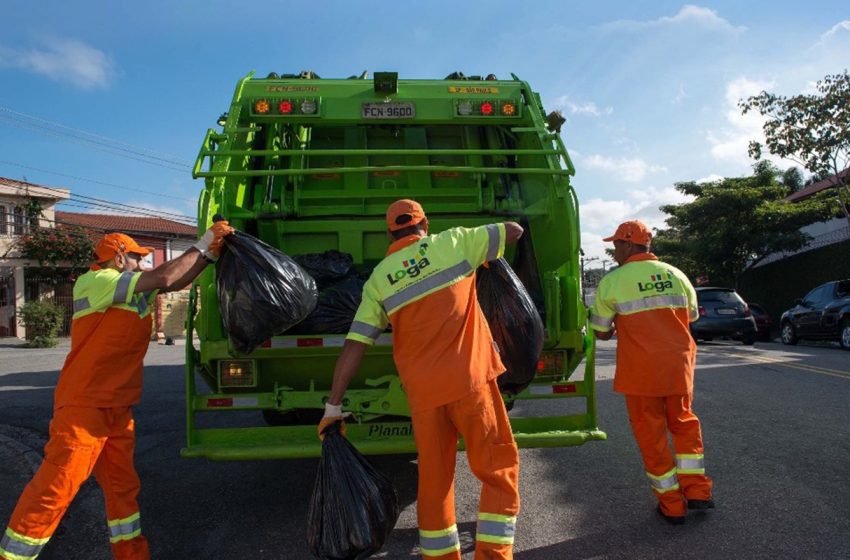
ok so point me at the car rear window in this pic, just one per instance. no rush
(843, 289)
(722, 296)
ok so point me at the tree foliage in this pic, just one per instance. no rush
(811, 129)
(734, 223)
(66, 245)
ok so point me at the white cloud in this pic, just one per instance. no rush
(67, 60)
(838, 31)
(680, 95)
(688, 15)
(600, 218)
(626, 169)
(711, 178)
(730, 142)
(581, 107)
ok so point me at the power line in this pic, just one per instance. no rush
(117, 147)
(94, 181)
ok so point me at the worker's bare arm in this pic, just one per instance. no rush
(513, 231)
(174, 274)
(346, 368)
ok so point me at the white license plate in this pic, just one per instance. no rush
(394, 110)
(726, 311)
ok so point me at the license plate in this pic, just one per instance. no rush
(395, 110)
(727, 311)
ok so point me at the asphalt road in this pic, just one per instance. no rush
(776, 425)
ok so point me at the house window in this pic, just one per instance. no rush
(4, 229)
(19, 221)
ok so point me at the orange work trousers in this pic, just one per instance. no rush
(82, 440)
(481, 419)
(674, 479)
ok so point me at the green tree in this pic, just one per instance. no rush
(811, 129)
(734, 223)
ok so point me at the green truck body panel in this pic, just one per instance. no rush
(309, 165)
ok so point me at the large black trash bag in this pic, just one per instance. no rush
(336, 309)
(354, 507)
(326, 268)
(261, 291)
(514, 322)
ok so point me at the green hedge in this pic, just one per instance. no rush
(776, 285)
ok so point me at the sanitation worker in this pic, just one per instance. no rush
(649, 304)
(448, 364)
(92, 428)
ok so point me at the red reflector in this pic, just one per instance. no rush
(445, 174)
(284, 107)
(306, 342)
(386, 173)
(569, 388)
(266, 344)
(487, 108)
(219, 402)
(541, 365)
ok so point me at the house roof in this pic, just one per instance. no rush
(815, 188)
(22, 188)
(156, 227)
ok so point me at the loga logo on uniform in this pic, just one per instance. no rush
(657, 282)
(411, 266)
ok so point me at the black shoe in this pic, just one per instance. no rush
(671, 519)
(701, 504)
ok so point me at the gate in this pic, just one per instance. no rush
(7, 302)
(56, 286)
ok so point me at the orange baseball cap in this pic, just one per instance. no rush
(114, 243)
(404, 207)
(634, 231)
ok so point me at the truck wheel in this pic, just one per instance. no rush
(844, 338)
(788, 334)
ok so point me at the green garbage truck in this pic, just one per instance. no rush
(310, 165)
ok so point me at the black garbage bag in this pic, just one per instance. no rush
(353, 508)
(514, 322)
(335, 310)
(326, 268)
(261, 291)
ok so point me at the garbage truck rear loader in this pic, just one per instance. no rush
(310, 165)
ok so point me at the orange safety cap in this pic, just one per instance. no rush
(114, 243)
(634, 231)
(404, 207)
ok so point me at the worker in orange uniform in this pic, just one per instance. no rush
(448, 363)
(650, 304)
(92, 428)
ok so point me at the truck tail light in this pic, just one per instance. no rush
(551, 362)
(262, 107)
(236, 373)
(508, 109)
(486, 108)
(284, 107)
(308, 106)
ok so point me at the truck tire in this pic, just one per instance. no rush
(844, 334)
(788, 333)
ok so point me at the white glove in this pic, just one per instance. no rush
(203, 244)
(332, 410)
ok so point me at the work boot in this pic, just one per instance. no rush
(671, 519)
(701, 504)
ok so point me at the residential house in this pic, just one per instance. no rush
(14, 197)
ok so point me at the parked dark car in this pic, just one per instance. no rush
(824, 314)
(763, 322)
(722, 313)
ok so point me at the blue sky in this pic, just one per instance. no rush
(649, 89)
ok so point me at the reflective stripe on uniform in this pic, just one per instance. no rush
(690, 464)
(16, 546)
(653, 302)
(419, 289)
(438, 543)
(125, 529)
(493, 247)
(601, 322)
(664, 483)
(123, 287)
(496, 528)
(365, 329)
(81, 304)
